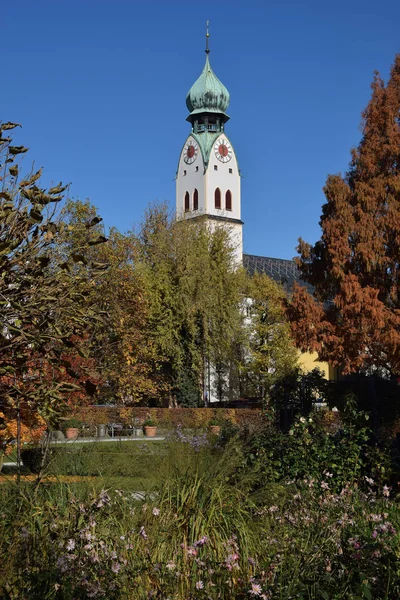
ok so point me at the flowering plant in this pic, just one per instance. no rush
(149, 422)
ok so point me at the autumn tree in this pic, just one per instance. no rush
(45, 305)
(269, 354)
(353, 319)
(124, 357)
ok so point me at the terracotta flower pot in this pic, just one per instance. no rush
(71, 433)
(150, 431)
(215, 429)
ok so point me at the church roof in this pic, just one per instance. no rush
(207, 94)
(279, 269)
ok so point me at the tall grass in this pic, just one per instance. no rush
(200, 533)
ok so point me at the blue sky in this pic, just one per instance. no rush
(100, 85)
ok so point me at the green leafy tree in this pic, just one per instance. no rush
(270, 355)
(195, 294)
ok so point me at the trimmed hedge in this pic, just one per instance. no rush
(167, 417)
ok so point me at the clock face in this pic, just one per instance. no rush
(223, 150)
(190, 152)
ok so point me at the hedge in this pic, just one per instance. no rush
(166, 417)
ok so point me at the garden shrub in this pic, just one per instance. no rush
(315, 447)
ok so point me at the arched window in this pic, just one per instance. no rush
(217, 198)
(187, 202)
(195, 200)
(228, 200)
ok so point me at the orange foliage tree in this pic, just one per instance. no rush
(353, 319)
(32, 428)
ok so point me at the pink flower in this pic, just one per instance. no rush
(115, 567)
(156, 512)
(143, 533)
(199, 585)
(255, 589)
(386, 491)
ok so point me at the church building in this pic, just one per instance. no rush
(208, 182)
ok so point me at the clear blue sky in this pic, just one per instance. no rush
(100, 85)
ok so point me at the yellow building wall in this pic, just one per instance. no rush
(309, 361)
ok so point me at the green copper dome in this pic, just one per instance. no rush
(207, 94)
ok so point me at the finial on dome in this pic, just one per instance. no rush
(207, 36)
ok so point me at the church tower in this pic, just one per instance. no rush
(208, 178)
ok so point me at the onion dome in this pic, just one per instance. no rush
(207, 94)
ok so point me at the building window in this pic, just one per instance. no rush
(187, 202)
(231, 171)
(195, 200)
(215, 167)
(228, 200)
(217, 198)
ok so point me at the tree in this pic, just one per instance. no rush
(45, 304)
(270, 355)
(195, 295)
(353, 319)
(124, 357)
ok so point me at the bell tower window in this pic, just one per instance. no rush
(187, 202)
(195, 200)
(228, 200)
(217, 198)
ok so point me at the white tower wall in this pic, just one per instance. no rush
(222, 175)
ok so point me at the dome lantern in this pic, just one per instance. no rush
(207, 94)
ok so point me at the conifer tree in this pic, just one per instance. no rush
(353, 319)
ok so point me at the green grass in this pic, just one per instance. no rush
(108, 460)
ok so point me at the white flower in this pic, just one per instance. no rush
(156, 512)
(199, 585)
(255, 589)
(302, 420)
(369, 480)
